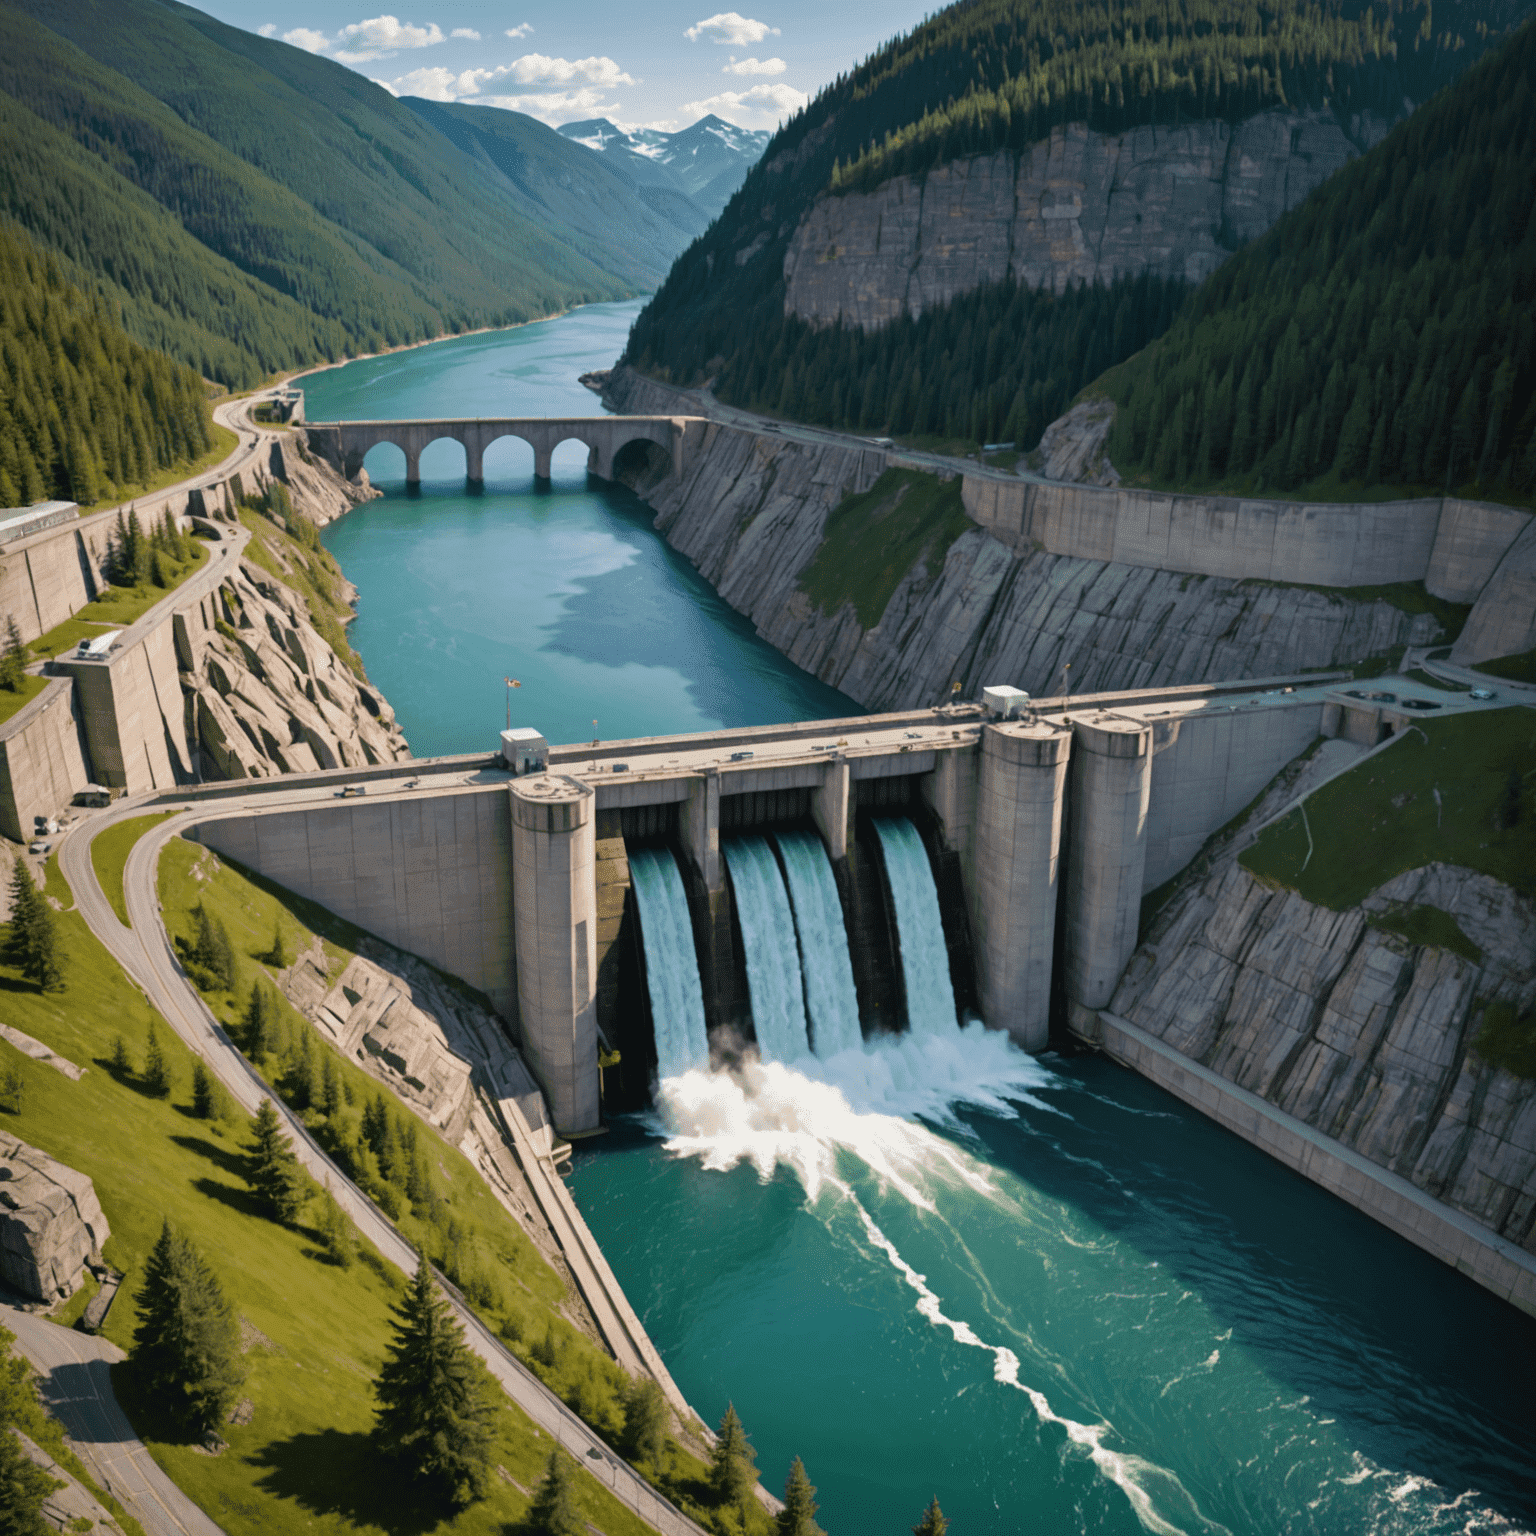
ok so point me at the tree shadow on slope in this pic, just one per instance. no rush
(330, 1472)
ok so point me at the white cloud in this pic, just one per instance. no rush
(380, 36)
(761, 107)
(755, 67)
(267, 30)
(540, 69)
(522, 29)
(555, 107)
(468, 32)
(307, 39)
(729, 27)
(435, 83)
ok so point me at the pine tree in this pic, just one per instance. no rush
(798, 1517)
(186, 1348)
(434, 1413)
(553, 1511)
(157, 1070)
(257, 1023)
(274, 1170)
(330, 1086)
(211, 948)
(336, 1230)
(645, 1421)
(120, 1062)
(732, 1466)
(32, 942)
(207, 1095)
(933, 1522)
(13, 658)
(277, 956)
(301, 1073)
(24, 1488)
(13, 1087)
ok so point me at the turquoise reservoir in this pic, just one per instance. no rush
(1042, 1290)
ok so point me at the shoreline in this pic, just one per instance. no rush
(430, 341)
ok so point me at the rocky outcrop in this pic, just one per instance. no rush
(1366, 1037)
(1072, 448)
(318, 493)
(51, 1223)
(750, 511)
(1076, 207)
(264, 693)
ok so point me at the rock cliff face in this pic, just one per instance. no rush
(51, 1222)
(1076, 207)
(1072, 447)
(264, 692)
(750, 512)
(1349, 1027)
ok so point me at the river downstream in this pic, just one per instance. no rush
(1042, 1290)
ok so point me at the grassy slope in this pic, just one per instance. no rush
(872, 540)
(527, 1306)
(109, 858)
(12, 703)
(1362, 838)
(303, 1461)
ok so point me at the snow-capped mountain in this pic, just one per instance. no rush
(705, 162)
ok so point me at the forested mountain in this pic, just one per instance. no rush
(998, 74)
(83, 407)
(1383, 332)
(250, 207)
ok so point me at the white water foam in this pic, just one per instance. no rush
(864, 1101)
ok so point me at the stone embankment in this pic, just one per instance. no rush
(1078, 206)
(750, 511)
(1361, 1035)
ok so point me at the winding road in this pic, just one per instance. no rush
(145, 953)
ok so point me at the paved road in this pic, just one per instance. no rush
(145, 953)
(76, 1385)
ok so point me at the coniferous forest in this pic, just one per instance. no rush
(83, 407)
(999, 74)
(1384, 332)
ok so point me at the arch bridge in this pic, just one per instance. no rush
(344, 444)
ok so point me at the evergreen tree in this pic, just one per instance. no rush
(330, 1087)
(13, 658)
(274, 1174)
(24, 1488)
(157, 1069)
(645, 1421)
(798, 1516)
(336, 1230)
(186, 1348)
(121, 1063)
(733, 1464)
(553, 1511)
(13, 1087)
(32, 944)
(207, 1095)
(277, 956)
(211, 948)
(435, 1414)
(933, 1522)
(301, 1072)
(258, 1024)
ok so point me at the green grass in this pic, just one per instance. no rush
(1423, 924)
(1508, 1039)
(872, 540)
(304, 1460)
(505, 1277)
(118, 607)
(109, 857)
(14, 703)
(224, 443)
(1381, 818)
(1519, 668)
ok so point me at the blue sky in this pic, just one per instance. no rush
(664, 63)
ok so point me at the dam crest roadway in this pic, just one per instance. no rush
(345, 444)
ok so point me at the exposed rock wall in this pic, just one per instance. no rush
(1352, 1029)
(51, 1222)
(750, 510)
(1076, 207)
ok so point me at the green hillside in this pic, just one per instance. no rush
(1384, 333)
(248, 207)
(998, 75)
(83, 407)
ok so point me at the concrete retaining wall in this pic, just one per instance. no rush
(432, 876)
(41, 765)
(49, 577)
(1483, 1256)
(1368, 544)
(1207, 767)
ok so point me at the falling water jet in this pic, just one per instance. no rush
(919, 928)
(772, 953)
(830, 998)
(671, 965)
